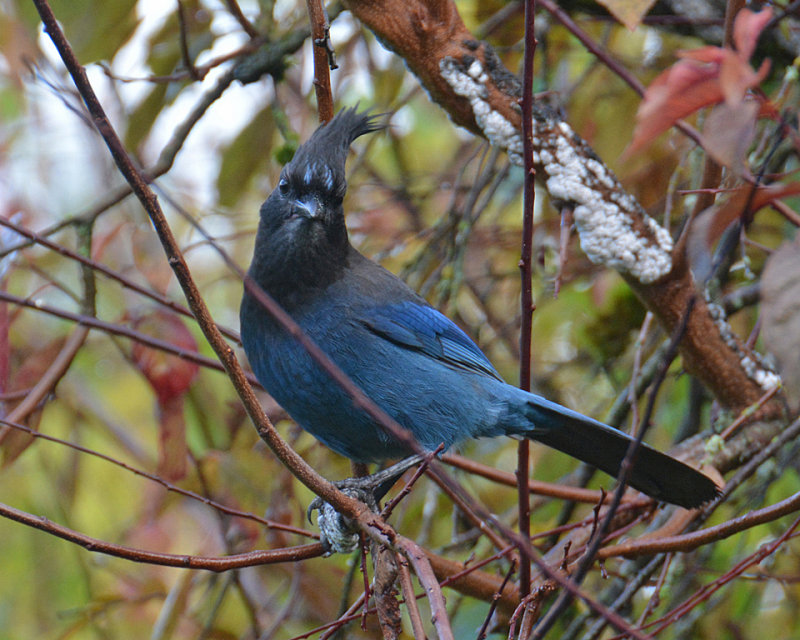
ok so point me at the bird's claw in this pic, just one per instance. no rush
(338, 533)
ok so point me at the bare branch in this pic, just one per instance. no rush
(217, 564)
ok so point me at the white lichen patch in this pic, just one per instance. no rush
(604, 214)
(476, 72)
(471, 84)
(753, 366)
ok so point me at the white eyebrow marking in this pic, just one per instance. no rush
(321, 172)
(328, 177)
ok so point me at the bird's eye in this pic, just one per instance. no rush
(283, 186)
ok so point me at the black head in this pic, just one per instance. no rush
(302, 237)
(318, 164)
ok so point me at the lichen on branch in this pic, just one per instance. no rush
(466, 78)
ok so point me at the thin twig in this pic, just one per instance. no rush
(422, 567)
(410, 598)
(526, 294)
(549, 489)
(236, 12)
(495, 599)
(109, 273)
(690, 541)
(184, 40)
(209, 563)
(320, 37)
(119, 330)
(707, 591)
(278, 526)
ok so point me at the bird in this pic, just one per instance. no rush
(416, 364)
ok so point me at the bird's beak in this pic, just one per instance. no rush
(309, 208)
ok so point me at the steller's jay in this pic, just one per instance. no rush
(416, 364)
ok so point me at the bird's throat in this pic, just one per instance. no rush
(291, 275)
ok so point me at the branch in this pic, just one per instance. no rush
(323, 58)
(217, 564)
(526, 287)
(708, 590)
(550, 489)
(117, 330)
(425, 574)
(126, 282)
(467, 79)
(140, 188)
(691, 541)
(269, 524)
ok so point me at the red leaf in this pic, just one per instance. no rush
(169, 375)
(681, 90)
(747, 28)
(713, 222)
(736, 76)
(705, 76)
(709, 54)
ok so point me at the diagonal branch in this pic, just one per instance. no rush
(467, 79)
(138, 183)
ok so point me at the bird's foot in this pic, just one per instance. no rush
(338, 533)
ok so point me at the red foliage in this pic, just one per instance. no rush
(169, 376)
(705, 76)
(711, 223)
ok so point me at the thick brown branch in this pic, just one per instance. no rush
(466, 78)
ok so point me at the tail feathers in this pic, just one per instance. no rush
(654, 473)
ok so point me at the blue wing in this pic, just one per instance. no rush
(423, 328)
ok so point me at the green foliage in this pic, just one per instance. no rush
(96, 30)
(245, 157)
(608, 333)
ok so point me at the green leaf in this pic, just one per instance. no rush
(245, 157)
(141, 119)
(96, 30)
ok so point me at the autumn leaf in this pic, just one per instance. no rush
(713, 222)
(169, 375)
(703, 77)
(780, 297)
(747, 28)
(628, 12)
(170, 378)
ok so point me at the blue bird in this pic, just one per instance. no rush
(411, 360)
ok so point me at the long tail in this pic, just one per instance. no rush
(654, 473)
